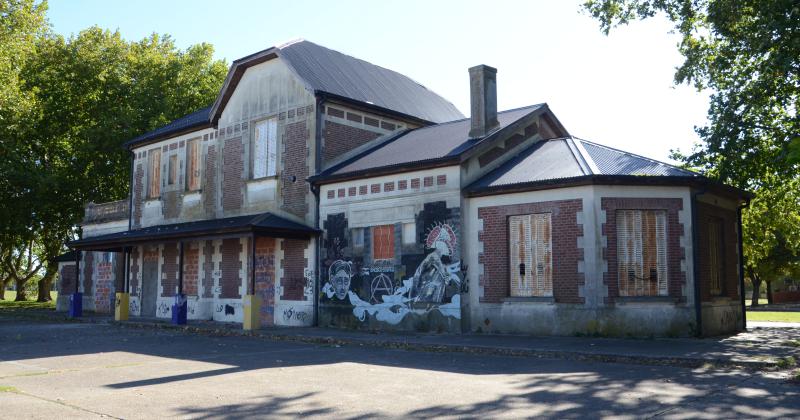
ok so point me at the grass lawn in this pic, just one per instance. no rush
(9, 303)
(773, 316)
(761, 301)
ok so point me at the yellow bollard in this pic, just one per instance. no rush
(252, 307)
(121, 307)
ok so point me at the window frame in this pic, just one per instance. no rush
(643, 286)
(154, 173)
(173, 167)
(194, 165)
(270, 146)
(720, 248)
(541, 284)
(389, 252)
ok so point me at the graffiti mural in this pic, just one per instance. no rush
(420, 288)
(341, 273)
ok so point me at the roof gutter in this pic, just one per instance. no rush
(700, 182)
(385, 170)
(185, 130)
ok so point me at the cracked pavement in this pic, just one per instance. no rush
(84, 370)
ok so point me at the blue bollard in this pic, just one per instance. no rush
(179, 310)
(76, 305)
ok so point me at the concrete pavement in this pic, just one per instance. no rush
(86, 370)
(759, 348)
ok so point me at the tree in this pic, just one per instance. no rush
(747, 54)
(22, 23)
(94, 92)
(66, 107)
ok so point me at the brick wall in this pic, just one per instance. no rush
(676, 278)
(730, 252)
(103, 287)
(340, 139)
(191, 270)
(295, 163)
(138, 192)
(67, 284)
(293, 264)
(566, 254)
(210, 182)
(232, 173)
(171, 203)
(265, 278)
(229, 268)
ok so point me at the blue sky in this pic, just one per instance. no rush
(616, 90)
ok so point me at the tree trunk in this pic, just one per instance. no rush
(756, 290)
(769, 292)
(21, 296)
(2, 289)
(44, 286)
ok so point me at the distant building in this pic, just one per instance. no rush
(342, 193)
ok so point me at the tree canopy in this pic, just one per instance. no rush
(747, 54)
(70, 105)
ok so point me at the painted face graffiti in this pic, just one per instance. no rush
(341, 273)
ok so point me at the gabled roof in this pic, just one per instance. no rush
(427, 145)
(267, 224)
(196, 120)
(330, 72)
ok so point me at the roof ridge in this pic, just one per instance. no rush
(637, 155)
(468, 118)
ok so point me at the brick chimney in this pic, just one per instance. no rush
(483, 98)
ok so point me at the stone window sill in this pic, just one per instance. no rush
(532, 299)
(262, 179)
(646, 299)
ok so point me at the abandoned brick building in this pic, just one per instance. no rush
(322, 189)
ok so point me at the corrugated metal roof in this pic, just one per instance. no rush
(330, 71)
(612, 161)
(437, 141)
(198, 119)
(560, 159)
(264, 222)
(544, 160)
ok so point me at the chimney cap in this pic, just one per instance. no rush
(482, 67)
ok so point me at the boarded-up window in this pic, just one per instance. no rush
(716, 263)
(383, 242)
(173, 170)
(265, 148)
(154, 173)
(642, 252)
(193, 165)
(530, 248)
